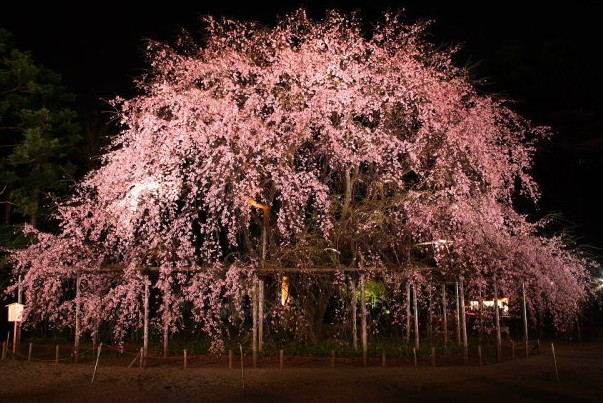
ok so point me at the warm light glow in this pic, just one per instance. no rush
(256, 204)
(503, 305)
(284, 290)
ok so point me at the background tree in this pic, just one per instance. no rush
(308, 144)
(38, 132)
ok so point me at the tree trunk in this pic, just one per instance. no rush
(497, 321)
(416, 315)
(458, 314)
(407, 336)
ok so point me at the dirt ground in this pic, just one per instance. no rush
(533, 379)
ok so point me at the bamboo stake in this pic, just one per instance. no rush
(242, 372)
(458, 314)
(281, 359)
(555, 361)
(416, 314)
(78, 320)
(497, 321)
(464, 322)
(185, 360)
(354, 315)
(407, 338)
(260, 315)
(96, 365)
(56, 355)
(29, 352)
(141, 357)
(145, 337)
(444, 314)
(525, 317)
(363, 314)
(479, 355)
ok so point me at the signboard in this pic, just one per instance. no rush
(15, 312)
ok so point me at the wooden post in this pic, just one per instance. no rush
(481, 316)
(433, 356)
(479, 354)
(363, 314)
(260, 315)
(430, 313)
(96, 365)
(332, 358)
(29, 352)
(354, 315)
(254, 313)
(242, 372)
(145, 337)
(416, 314)
(445, 317)
(78, 319)
(15, 337)
(166, 327)
(414, 353)
(230, 359)
(497, 321)
(458, 314)
(281, 359)
(464, 322)
(407, 338)
(3, 350)
(555, 361)
(184, 358)
(141, 354)
(383, 358)
(56, 355)
(525, 317)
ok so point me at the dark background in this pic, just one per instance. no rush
(544, 57)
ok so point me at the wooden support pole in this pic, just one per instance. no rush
(479, 355)
(407, 327)
(415, 314)
(463, 321)
(242, 372)
(497, 321)
(354, 315)
(141, 355)
(3, 350)
(97, 359)
(363, 318)
(444, 314)
(56, 355)
(184, 357)
(281, 359)
(525, 317)
(458, 314)
(29, 352)
(78, 319)
(555, 361)
(430, 313)
(166, 327)
(254, 313)
(260, 315)
(145, 336)
(230, 356)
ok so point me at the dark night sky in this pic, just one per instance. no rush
(544, 57)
